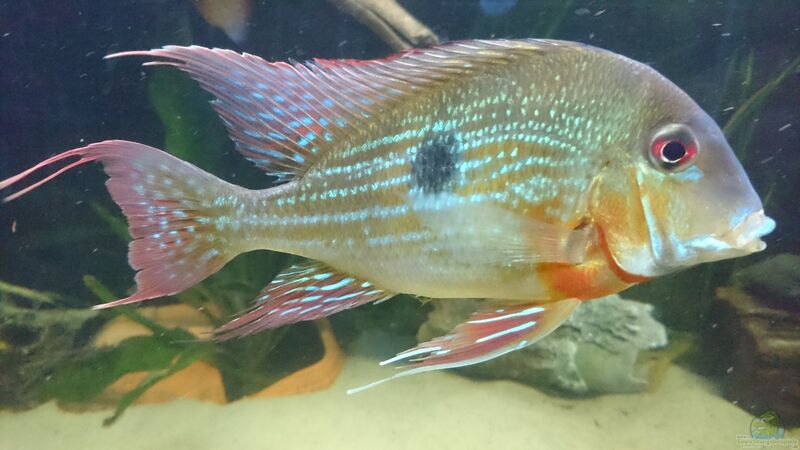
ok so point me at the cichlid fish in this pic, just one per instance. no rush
(534, 173)
(231, 16)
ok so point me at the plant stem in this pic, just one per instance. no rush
(30, 294)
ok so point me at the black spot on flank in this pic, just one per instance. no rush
(434, 166)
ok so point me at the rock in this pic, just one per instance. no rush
(594, 351)
(761, 343)
(776, 280)
(200, 380)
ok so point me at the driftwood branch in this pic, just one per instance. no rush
(390, 21)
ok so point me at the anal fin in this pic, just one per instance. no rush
(305, 291)
(487, 334)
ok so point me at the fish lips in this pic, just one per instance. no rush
(742, 239)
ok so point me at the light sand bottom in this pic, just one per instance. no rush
(431, 411)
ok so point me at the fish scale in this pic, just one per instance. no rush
(334, 217)
(525, 180)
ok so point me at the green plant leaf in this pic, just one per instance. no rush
(30, 294)
(192, 130)
(182, 361)
(115, 223)
(105, 295)
(756, 101)
(84, 378)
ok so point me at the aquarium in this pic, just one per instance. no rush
(399, 224)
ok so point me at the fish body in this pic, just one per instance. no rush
(436, 193)
(532, 173)
(231, 16)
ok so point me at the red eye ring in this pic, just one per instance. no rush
(671, 152)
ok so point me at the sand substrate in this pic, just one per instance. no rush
(438, 410)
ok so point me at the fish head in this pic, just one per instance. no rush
(682, 197)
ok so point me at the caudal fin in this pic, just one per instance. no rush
(172, 209)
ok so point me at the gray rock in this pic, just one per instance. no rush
(759, 346)
(594, 351)
(776, 280)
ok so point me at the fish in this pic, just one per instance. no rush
(536, 174)
(231, 16)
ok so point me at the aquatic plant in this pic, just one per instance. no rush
(30, 294)
(38, 334)
(246, 366)
(163, 353)
(192, 131)
(740, 126)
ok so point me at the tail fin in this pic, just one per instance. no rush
(171, 207)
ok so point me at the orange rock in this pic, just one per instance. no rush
(316, 377)
(200, 380)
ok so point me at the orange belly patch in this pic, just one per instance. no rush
(584, 281)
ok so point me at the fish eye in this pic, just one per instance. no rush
(673, 149)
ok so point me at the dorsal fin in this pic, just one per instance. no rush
(283, 115)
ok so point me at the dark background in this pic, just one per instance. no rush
(57, 93)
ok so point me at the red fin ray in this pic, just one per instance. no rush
(487, 334)
(82, 159)
(306, 291)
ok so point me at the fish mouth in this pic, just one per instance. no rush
(746, 235)
(741, 240)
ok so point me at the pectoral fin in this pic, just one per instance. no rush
(487, 334)
(485, 232)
